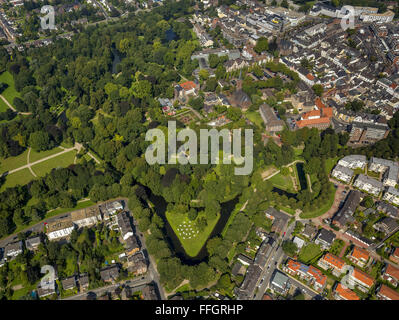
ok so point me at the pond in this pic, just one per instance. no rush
(160, 208)
(301, 175)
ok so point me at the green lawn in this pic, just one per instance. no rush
(11, 163)
(35, 156)
(282, 182)
(191, 246)
(330, 163)
(320, 211)
(309, 252)
(63, 161)
(21, 177)
(3, 106)
(10, 93)
(255, 117)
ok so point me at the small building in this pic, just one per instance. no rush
(13, 249)
(125, 225)
(359, 256)
(353, 161)
(343, 293)
(333, 263)
(59, 229)
(325, 238)
(299, 242)
(132, 245)
(69, 283)
(86, 217)
(386, 293)
(368, 184)
(391, 274)
(392, 196)
(149, 292)
(309, 231)
(395, 256)
(280, 283)
(110, 274)
(345, 215)
(83, 282)
(137, 263)
(387, 208)
(246, 261)
(32, 243)
(47, 290)
(360, 279)
(386, 225)
(343, 174)
(279, 219)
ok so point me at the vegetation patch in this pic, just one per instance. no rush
(190, 235)
(61, 161)
(20, 177)
(309, 253)
(35, 156)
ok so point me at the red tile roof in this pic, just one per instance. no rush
(388, 292)
(293, 265)
(396, 253)
(188, 85)
(304, 123)
(338, 263)
(313, 113)
(316, 273)
(346, 293)
(392, 271)
(319, 104)
(363, 277)
(327, 112)
(359, 253)
(310, 77)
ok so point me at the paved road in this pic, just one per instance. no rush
(274, 260)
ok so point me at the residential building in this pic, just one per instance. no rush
(279, 219)
(110, 208)
(343, 293)
(273, 124)
(137, 264)
(318, 118)
(353, 162)
(124, 225)
(59, 229)
(330, 261)
(299, 242)
(246, 261)
(310, 274)
(387, 208)
(343, 174)
(368, 185)
(360, 279)
(13, 249)
(378, 17)
(110, 274)
(280, 283)
(345, 214)
(392, 195)
(386, 225)
(33, 243)
(132, 246)
(248, 286)
(390, 170)
(186, 89)
(69, 283)
(83, 282)
(359, 256)
(86, 217)
(46, 290)
(386, 293)
(395, 256)
(391, 274)
(325, 238)
(149, 292)
(309, 231)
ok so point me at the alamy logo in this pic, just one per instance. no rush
(348, 20)
(187, 152)
(48, 17)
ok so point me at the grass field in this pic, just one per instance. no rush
(62, 161)
(282, 182)
(10, 93)
(320, 211)
(35, 156)
(11, 163)
(330, 163)
(255, 117)
(309, 252)
(21, 177)
(191, 246)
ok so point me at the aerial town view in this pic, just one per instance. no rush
(213, 150)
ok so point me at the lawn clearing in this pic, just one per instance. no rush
(189, 236)
(10, 93)
(309, 253)
(282, 182)
(12, 163)
(35, 156)
(20, 177)
(255, 118)
(330, 163)
(61, 161)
